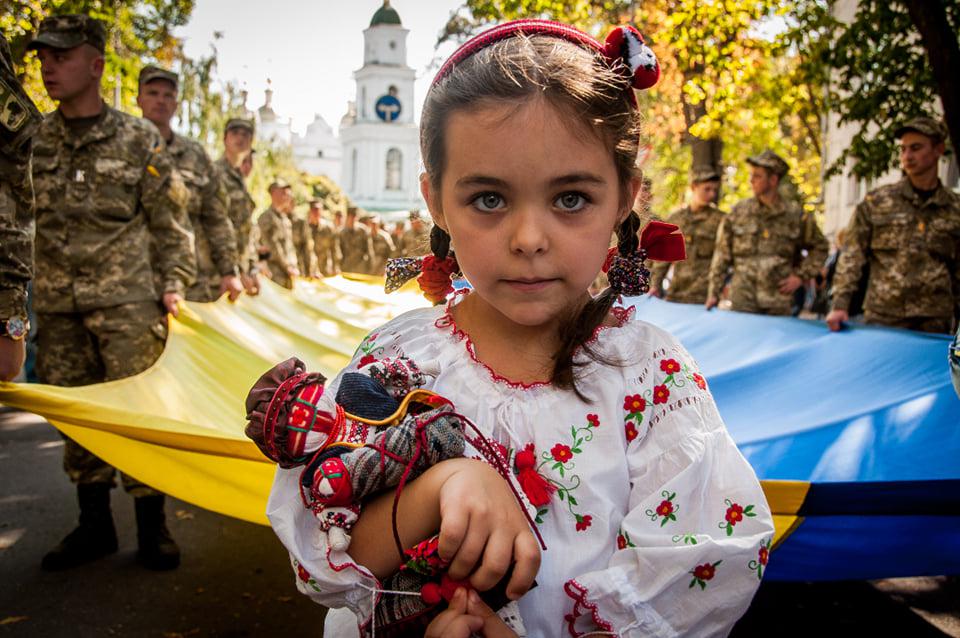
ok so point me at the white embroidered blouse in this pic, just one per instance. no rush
(657, 526)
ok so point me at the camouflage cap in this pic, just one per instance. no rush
(239, 122)
(278, 183)
(928, 126)
(704, 174)
(770, 161)
(69, 31)
(152, 72)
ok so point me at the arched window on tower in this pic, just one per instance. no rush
(394, 169)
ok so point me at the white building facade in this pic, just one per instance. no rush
(381, 157)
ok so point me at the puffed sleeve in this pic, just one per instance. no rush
(694, 543)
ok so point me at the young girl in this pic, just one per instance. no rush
(653, 523)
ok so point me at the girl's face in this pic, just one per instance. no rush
(530, 200)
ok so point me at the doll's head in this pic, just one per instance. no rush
(548, 118)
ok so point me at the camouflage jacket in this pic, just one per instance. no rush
(356, 248)
(763, 246)
(303, 245)
(276, 236)
(101, 195)
(19, 121)
(414, 244)
(326, 247)
(691, 277)
(913, 250)
(215, 241)
(382, 251)
(240, 211)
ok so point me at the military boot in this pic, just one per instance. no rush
(93, 538)
(156, 548)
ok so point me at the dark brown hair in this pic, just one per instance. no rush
(582, 85)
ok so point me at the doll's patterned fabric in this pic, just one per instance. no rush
(654, 523)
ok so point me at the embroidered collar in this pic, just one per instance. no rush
(446, 321)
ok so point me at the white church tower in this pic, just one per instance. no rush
(381, 157)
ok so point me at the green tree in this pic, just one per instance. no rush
(137, 30)
(738, 77)
(892, 62)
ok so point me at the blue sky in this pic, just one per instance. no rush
(309, 50)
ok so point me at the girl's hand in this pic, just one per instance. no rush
(468, 615)
(493, 626)
(483, 531)
(455, 622)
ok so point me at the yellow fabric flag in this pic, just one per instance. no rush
(178, 426)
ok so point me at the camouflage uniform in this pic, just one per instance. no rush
(326, 247)
(356, 247)
(690, 278)
(382, 251)
(240, 211)
(102, 193)
(276, 235)
(414, 243)
(19, 120)
(763, 246)
(214, 237)
(303, 245)
(913, 250)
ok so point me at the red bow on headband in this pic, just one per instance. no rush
(661, 241)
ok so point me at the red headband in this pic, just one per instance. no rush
(624, 43)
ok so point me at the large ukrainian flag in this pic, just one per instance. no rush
(855, 436)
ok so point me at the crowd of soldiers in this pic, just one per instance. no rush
(132, 218)
(897, 263)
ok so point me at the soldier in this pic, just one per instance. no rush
(19, 120)
(908, 234)
(214, 240)
(105, 188)
(356, 245)
(382, 245)
(303, 246)
(237, 143)
(276, 235)
(416, 241)
(338, 221)
(763, 240)
(325, 245)
(698, 222)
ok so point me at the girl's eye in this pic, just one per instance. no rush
(571, 202)
(487, 202)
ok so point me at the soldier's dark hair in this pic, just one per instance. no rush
(584, 88)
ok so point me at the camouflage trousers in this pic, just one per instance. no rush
(205, 290)
(938, 325)
(91, 347)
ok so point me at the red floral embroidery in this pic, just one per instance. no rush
(670, 366)
(583, 522)
(631, 430)
(735, 514)
(593, 420)
(369, 349)
(366, 359)
(623, 540)
(634, 403)
(763, 555)
(424, 558)
(704, 573)
(660, 394)
(700, 381)
(561, 453)
(667, 510)
(302, 573)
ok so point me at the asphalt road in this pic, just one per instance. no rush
(235, 581)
